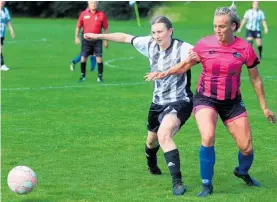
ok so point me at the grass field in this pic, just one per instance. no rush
(85, 141)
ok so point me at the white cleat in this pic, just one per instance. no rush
(4, 68)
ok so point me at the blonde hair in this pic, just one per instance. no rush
(231, 12)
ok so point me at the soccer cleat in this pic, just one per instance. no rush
(206, 191)
(72, 67)
(4, 68)
(82, 79)
(99, 80)
(179, 189)
(246, 178)
(155, 171)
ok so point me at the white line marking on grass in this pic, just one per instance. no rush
(116, 59)
(26, 41)
(75, 86)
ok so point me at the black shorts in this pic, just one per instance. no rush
(2, 41)
(253, 34)
(157, 112)
(91, 48)
(228, 110)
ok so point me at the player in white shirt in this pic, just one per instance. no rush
(253, 19)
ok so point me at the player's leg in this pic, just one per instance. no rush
(249, 36)
(73, 62)
(151, 148)
(259, 43)
(3, 66)
(206, 118)
(98, 53)
(175, 116)
(152, 144)
(87, 49)
(238, 125)
(92, 62)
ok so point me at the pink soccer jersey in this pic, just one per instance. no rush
(220, 77)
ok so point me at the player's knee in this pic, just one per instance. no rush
(99, 60)
(164, 137)
(246, 149)
(208, 140)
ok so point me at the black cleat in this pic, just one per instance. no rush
(246, 178)
(155, 170)
(179, 189)
(206, 191)
(82, 79)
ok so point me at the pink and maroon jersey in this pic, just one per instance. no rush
(220, 77)
(92, 22)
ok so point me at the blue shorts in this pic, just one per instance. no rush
(228, 110)
(253, 34)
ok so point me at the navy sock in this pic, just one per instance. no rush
(100, 70)
(83, 69)
(245, 162)
(172, 159)
(2, 59)
(151, 156)
(77, 59)
(260, 48)
(207, 161)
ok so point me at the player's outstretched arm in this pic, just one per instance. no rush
(115, 37)
(11, 30)
(257, 83)
(179, 68)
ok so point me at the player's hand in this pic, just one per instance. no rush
(239, 30)
(154, 76)
(269, 115)
(193, 56)
(266, 30)
(77, 40)
(90, 36)
(105, 43)
(13, 35)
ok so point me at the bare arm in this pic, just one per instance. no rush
(77, 32)
(242, 24)
(11, 29)
(265, 26)
(259, 89)
(105, 41)
(115, 37)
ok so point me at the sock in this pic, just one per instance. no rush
(245, 162)
(83, 69)
(92, 62)
(250, 42)
(207, 161)
(260, 48)
(151, 156)
(172, 159)
(100, 70)
(2, 59)
(77, 59)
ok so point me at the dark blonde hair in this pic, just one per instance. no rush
(162, 19)
(231, 12)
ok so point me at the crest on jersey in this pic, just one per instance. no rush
(212, 52)
(236, 55)
(86, 17)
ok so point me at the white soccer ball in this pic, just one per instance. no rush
(22, 179)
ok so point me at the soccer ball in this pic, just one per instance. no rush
(22, 180)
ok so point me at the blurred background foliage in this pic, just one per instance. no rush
(116, 10)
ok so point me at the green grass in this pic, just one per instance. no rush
(86, 141)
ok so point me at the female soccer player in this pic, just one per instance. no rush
(222, 56)
(172, 98)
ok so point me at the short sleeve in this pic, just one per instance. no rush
(185, 50)
(8, 17)
(105, 22)
(141, 44)
(246, 15)
(80, 21)
(252, 59)
(262, 15)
